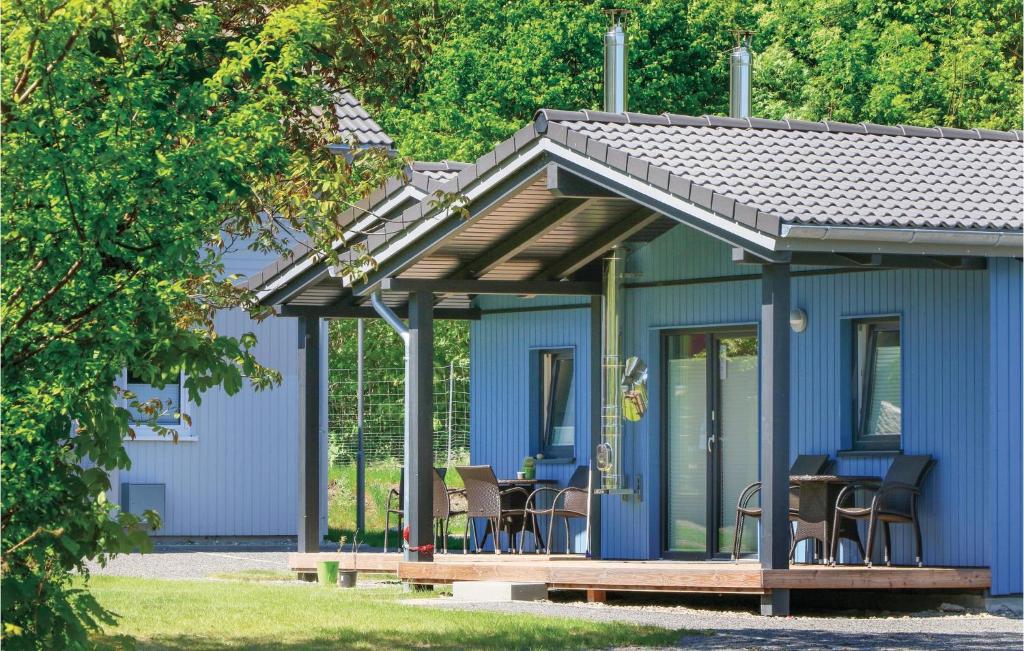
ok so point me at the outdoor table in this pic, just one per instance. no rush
(518, 500)
(818, 494)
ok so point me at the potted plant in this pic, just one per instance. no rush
(347, 578)
(529, 468)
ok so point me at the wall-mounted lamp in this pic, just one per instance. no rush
(798, 320)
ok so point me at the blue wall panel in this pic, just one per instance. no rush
(948, 410)
(1006, 431)
(500, 345)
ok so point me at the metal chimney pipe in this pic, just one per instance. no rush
(616, 63)
(741, 62)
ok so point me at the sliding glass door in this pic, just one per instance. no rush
(710, 438)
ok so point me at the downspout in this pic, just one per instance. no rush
(386, 313)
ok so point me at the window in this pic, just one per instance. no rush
(169, 397)
(877, 384)
(557, 403)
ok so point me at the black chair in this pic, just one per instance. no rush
(502, 508)
(892, 501)
(805, 464)
(396, 504)
(572, 501)
(444, 511)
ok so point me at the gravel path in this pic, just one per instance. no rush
(738, 630)
(191, 564)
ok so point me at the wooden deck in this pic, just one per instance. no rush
(577, 573)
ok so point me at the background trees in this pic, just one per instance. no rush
(493, 63)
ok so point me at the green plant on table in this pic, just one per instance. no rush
(529, 467)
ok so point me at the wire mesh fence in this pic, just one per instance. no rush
(383, 413)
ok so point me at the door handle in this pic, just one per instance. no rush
(711, 441)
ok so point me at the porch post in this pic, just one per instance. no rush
(309, 435)
(774, 552)
(420, 431)
(596, 377)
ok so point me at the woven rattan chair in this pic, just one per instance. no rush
(444, 510)
(892, 501)
(396, 504)
(805, 464)
(572, 501)
(485, 499)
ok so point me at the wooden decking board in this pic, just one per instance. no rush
(654, 576)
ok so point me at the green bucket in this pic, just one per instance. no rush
(327, 572)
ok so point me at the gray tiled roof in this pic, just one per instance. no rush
(354, 123)
(424, 176)
(823, 173)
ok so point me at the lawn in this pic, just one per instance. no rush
(380, 478)
(221, 615)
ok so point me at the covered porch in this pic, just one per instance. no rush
(540, 219)
(598, 577)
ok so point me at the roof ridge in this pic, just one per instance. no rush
(543, 116)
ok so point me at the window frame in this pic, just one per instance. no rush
(544, 412)
(184, 429)
(861, 391)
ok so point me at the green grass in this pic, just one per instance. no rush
(257, 576)
(380, 478)
(222, 615)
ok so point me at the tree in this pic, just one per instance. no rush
(138, 136)
(494, 63)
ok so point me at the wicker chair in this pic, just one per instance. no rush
(805, 464)
(572, 501)
(396, 505)
(486, 499)
(444, 511)
(892, 501)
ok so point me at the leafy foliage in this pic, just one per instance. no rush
(138, 136)
(494, 63)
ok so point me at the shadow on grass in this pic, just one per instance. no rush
(535, 636)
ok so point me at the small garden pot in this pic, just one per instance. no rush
(529, 473)
(347, 578)
(327, 572)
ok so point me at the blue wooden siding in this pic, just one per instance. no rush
(239, 477)
(500, 345)
(1006, 431)
(957, 406)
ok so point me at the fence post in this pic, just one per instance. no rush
(451, 402)
(360, 451)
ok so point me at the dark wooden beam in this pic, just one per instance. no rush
(309, 435)
(511, 246)
(563, 183)
(582, 254)
(419, 448)
(365, 312)
(861, 260)
(510, 287)
(774, 345)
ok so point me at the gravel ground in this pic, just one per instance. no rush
(720, 629)
(191, 564)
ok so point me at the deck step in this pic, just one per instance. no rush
(499, 591)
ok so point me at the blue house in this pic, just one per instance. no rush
(792, 288)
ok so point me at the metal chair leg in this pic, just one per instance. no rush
(387, 528)
(736, 537)
(834, 541)
(918, 552)
(537, 542)
(565, 525)
(887, 538)
(871, 540)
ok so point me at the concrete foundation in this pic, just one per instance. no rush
(492, 591)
